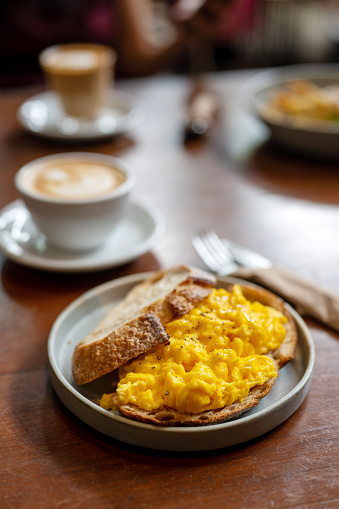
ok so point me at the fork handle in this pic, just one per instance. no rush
(306, 297)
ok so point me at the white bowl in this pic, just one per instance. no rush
(320, 138)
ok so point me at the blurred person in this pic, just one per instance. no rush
(212, 18)
(210, 28)
(28, 26)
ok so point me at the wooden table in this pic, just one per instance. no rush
(284, 206)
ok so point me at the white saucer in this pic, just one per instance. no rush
(42, 115)
(22, 242)
(83, 314)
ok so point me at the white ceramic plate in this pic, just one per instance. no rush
(80, 317)
(313, 138)
(22, 242)
(43, 116)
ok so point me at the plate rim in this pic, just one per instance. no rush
(65, 266)
(61, 385)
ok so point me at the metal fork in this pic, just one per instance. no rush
(211, 249)
(223, 256)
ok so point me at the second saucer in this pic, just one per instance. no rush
(42, 115)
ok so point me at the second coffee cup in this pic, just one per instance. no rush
(76, 199)
(81, 76)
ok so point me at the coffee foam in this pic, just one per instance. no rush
(76, 58)
(81, 60)
(72, 180)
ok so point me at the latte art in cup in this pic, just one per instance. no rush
(72, 179)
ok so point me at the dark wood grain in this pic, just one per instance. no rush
(282, 205)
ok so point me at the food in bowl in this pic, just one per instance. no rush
(303, 101)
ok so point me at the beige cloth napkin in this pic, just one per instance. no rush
(306, 297)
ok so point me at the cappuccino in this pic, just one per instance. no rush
(81, 75)
(76, 199)
(72, 179)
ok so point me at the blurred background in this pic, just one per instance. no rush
(254, 33)
(274, 32)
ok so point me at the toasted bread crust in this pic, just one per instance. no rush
(136, 324)
(130, 340)
(170, 417)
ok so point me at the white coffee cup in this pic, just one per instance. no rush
(81, 75)
(76, 199)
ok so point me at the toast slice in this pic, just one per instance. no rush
(136, 324)
(169, 417)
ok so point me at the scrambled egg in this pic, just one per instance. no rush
(307, 100)
(215, 355)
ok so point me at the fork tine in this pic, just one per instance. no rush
(204, 253)
(213, 252)
(217, 247)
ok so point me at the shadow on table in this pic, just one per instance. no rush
(41, 291)
(39, 146)
(51, 417)
(282, 171)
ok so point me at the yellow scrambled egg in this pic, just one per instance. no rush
(305, 99)
(215, 355)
